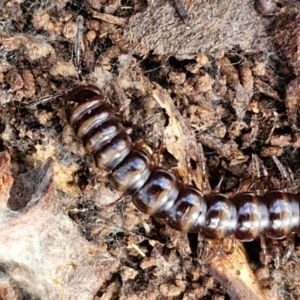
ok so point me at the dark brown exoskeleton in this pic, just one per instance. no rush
(157, 192)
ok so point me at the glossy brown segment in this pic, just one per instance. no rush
(252, 216)
(220, 219)
(282, 213)
(189, 210)
(112, 153)
(101, 134)
(157, 192)
(84, 120)
(132, 173)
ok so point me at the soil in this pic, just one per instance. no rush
(218, 78)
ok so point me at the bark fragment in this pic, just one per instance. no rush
(181, 143)
(237, 276)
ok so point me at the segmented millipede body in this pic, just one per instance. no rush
(157, 192)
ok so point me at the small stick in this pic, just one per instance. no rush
(78, 44)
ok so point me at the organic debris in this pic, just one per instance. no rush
(221, 78)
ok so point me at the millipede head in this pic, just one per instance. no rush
(83, 93)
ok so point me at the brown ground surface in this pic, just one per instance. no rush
(221, 74)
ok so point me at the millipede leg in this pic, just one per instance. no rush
(155, 156)
(205, 181)
(277, 254)
(123, 107)
(147, 121)
(264, 255)
(159, 146)
(289, 250)
(189, 170)
(218, 186)
(141, 143)
(260, 182)
(205, 251)
(34, 103)
(228, 245)
(203, 248)
(278, 251)
(159, 149)
(294, 257)
(283, 171)
(291, 182)
(118, 200)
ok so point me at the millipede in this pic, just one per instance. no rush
(155, 191)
